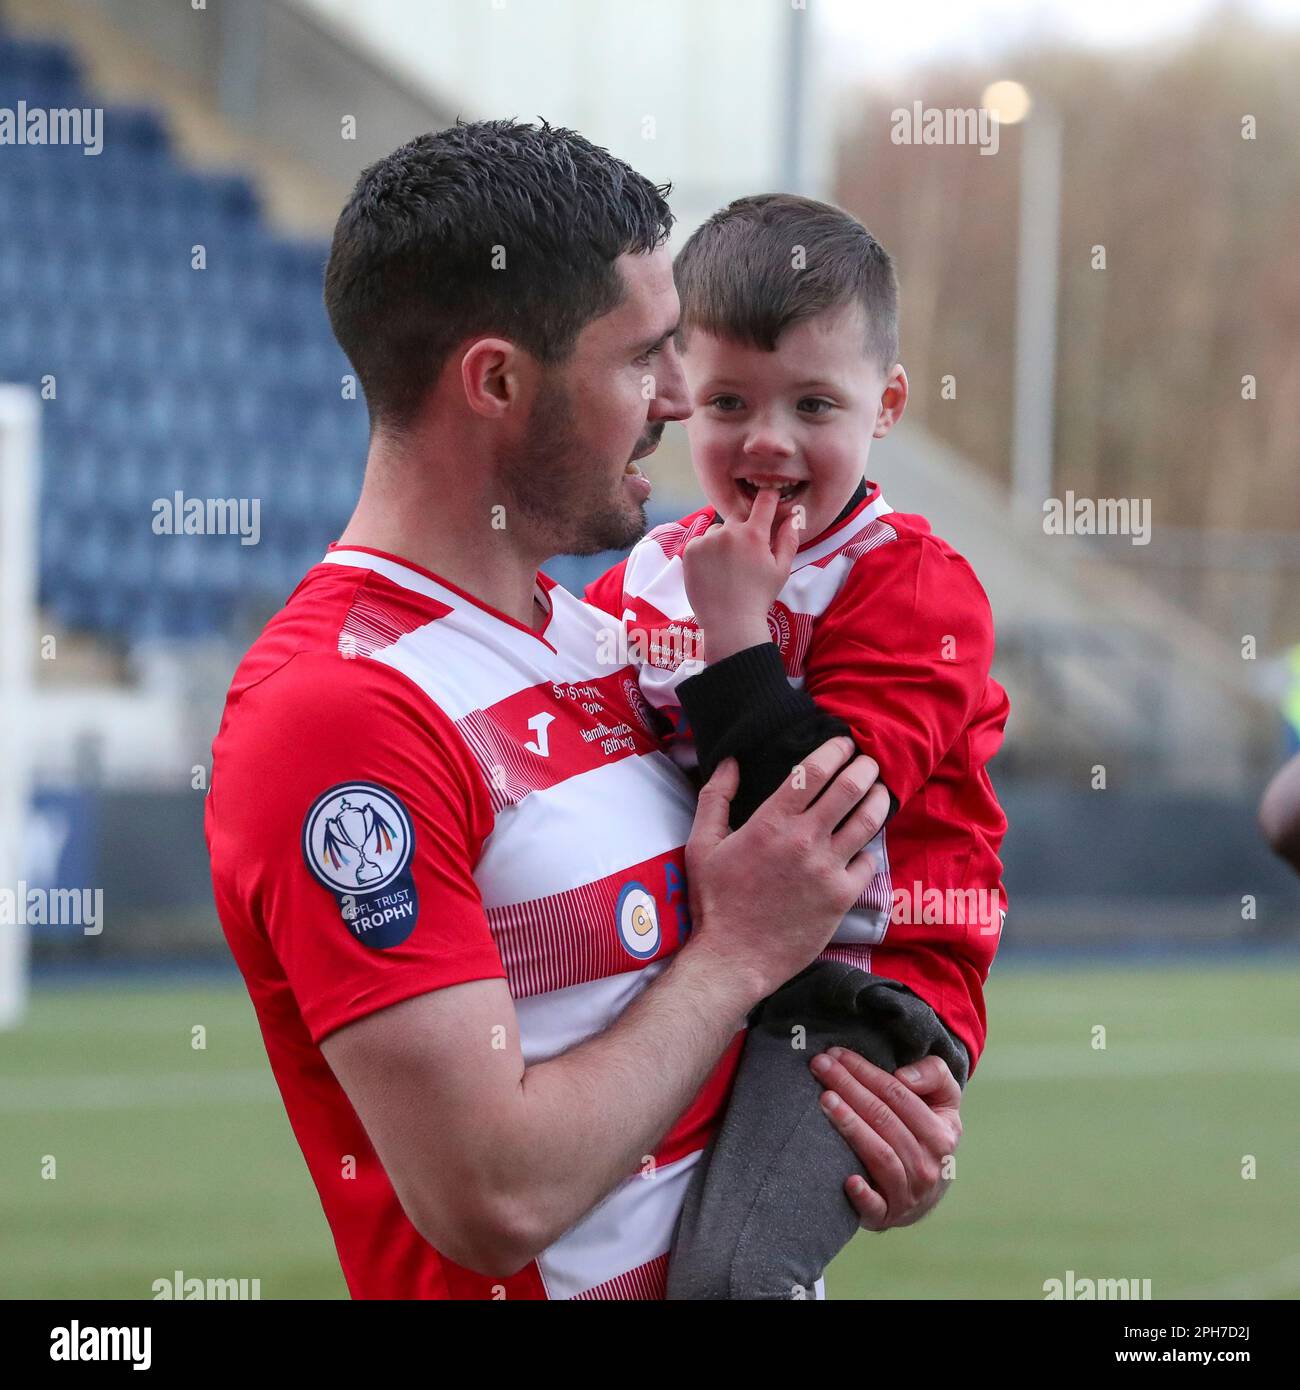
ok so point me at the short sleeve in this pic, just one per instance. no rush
(345, 818)
(903, 657)
(606, 592)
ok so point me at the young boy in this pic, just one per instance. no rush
(821, 610)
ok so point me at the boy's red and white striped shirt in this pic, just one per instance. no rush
(886, 626)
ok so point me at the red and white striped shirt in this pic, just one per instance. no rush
(411, 790)
(886, 626)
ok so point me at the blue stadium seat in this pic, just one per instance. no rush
(132, 130)
(28, 60)
(221, 382)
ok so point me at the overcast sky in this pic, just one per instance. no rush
(872, 40)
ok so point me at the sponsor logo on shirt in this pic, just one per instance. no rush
(639, 705)
(778, 624)
(358, 842)
(638, 920)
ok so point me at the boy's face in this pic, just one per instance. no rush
(803, 415)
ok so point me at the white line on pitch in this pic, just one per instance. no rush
(1123, 1060)
(1258, 1283)
(137, 1091)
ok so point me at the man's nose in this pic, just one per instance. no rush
(672, 398)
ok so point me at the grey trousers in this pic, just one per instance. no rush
(765, 1211)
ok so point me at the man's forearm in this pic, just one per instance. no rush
(593, 1115)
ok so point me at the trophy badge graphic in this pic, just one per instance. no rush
(358, 840)
(357, 828)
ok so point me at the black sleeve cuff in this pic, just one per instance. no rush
(745, 707)
(740, 701)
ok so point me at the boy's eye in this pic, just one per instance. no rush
(819, 405)
(727, 404)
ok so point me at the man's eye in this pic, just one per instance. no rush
(727, 404)
(822, 407)
(651, 352)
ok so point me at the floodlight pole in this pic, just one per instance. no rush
(19, 443)
(794, 134)
(1036, 306)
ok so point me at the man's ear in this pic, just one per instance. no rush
(893, 401)
(491, 372)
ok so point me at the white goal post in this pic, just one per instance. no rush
(19, 549)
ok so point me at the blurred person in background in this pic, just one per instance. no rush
(1279, 813)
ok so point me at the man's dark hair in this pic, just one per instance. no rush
(766, 262)
(490, 227)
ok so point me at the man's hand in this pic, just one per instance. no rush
(766, 898)
(734, 571)
(900, 1127)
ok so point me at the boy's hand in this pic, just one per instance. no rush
(734, 571)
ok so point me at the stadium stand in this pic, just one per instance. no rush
(183, 348)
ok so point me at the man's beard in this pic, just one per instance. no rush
(566, 497)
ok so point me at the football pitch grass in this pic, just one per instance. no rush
(1122, 1162)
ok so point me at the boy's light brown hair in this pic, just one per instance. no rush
(774, 259)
